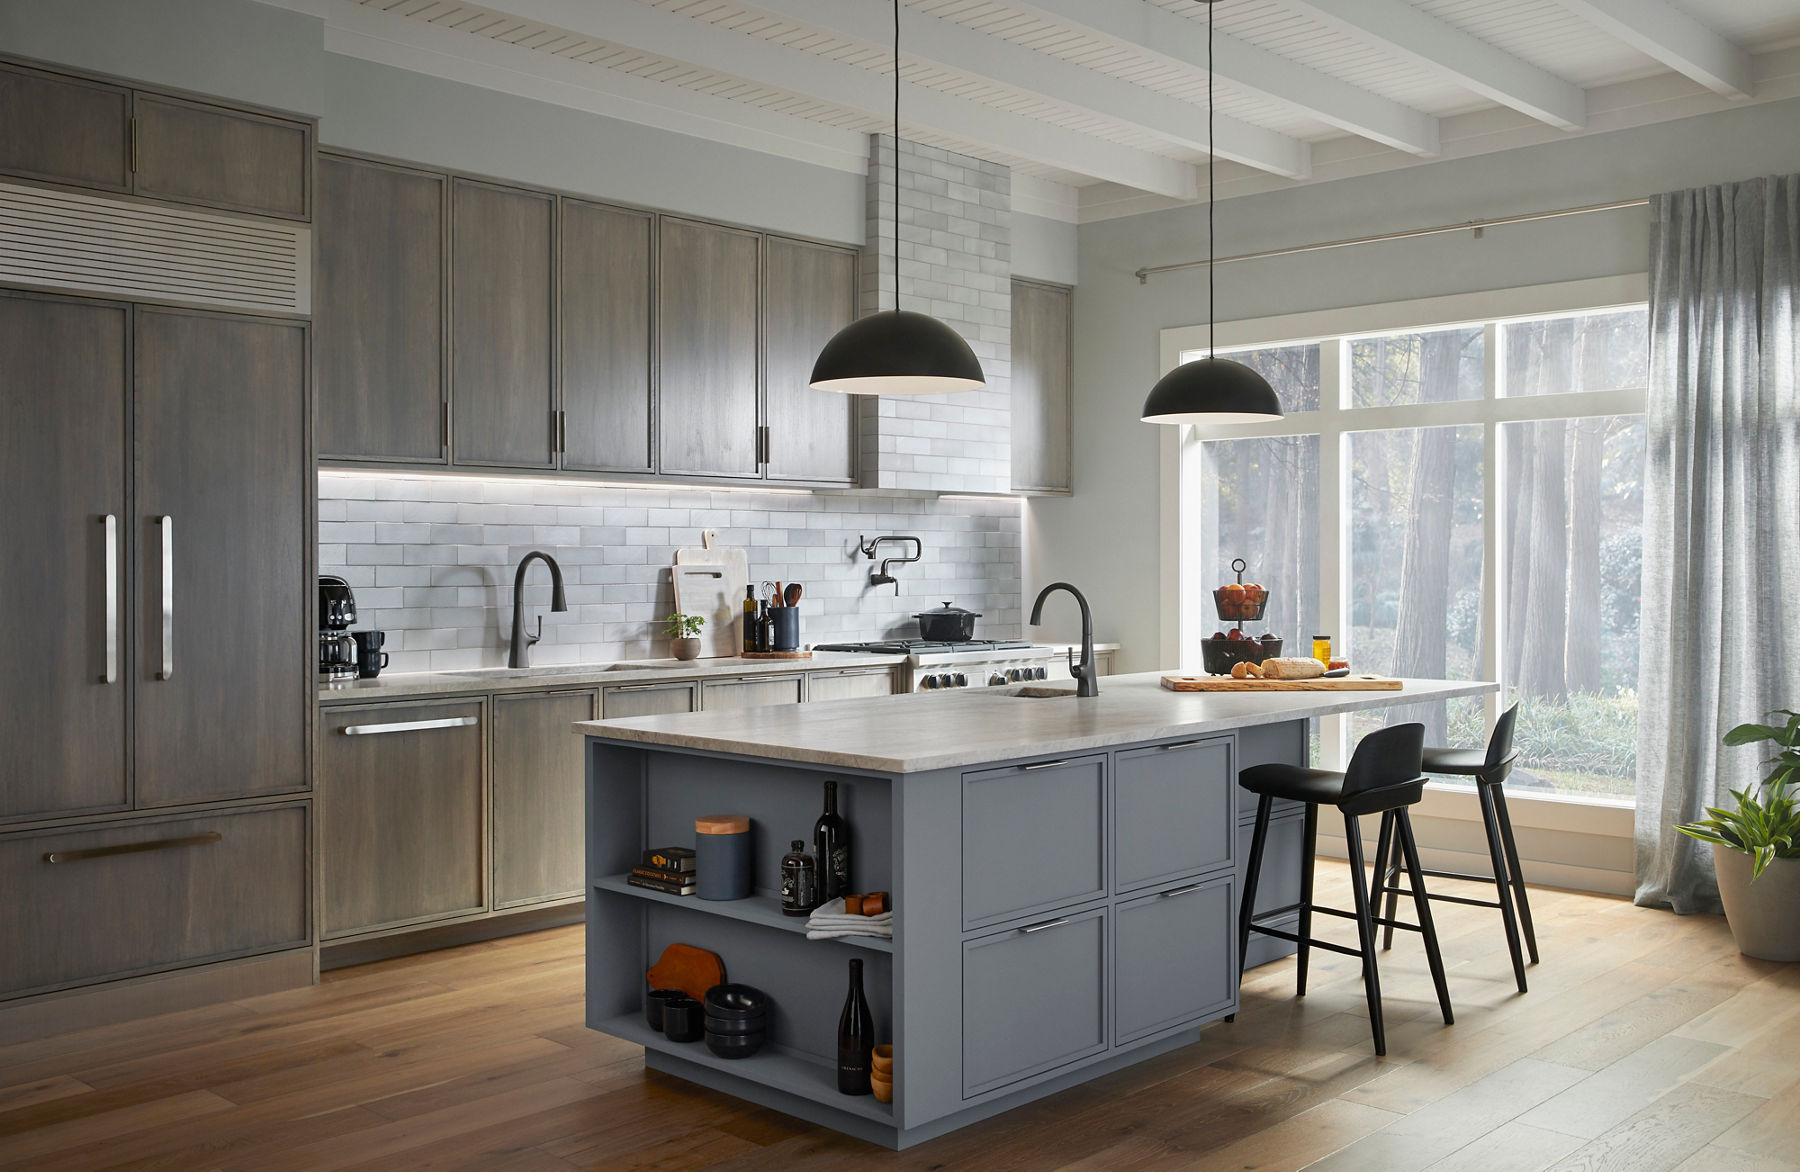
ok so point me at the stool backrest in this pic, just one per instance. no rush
(1388, 756)
(1500, 745)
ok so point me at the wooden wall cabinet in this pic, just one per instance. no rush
(606, 339)
(809, 294)
(502, 326)
(539, 850)
(64, 129)
(707, 351)
(379, 312)
(1041, 361)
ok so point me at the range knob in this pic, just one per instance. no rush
(962, 681)
(1018, 673)
(927, 682)
(1040, 673)
(996, 680)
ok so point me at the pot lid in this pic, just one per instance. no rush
(947, 609)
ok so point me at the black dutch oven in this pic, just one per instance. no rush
(947, 624)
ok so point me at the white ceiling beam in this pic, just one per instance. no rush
(1659, 30)
(696, 42)
(1161, 35)
(978, 55)
(1474, 64)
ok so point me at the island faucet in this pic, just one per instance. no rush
(520, 655)
(1086, 679)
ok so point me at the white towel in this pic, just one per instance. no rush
(829, 921)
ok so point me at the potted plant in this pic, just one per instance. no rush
(684, 634)
(1756, 847)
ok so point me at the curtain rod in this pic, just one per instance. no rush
(1144, 274)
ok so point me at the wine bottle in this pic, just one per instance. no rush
(749, 618)
(831, 846)
(856, 1038)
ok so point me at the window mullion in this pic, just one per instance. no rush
(1334, 520)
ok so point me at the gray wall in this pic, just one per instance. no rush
(1105, 538)
(256, 53)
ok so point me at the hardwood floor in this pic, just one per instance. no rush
(1647, 1042)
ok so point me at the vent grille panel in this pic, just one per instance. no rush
(76, 242)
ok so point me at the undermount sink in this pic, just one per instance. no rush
(1037, 693)
(548, 669)
(676, 666)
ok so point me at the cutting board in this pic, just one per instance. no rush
(1177, 682)
(715, 592)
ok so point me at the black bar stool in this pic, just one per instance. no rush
(1383, 778)
(1490, 771)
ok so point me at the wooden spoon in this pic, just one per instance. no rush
(792, 596)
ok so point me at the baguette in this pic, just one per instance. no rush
(1295, 668)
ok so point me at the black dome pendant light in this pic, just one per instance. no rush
(1211, 389)
(895, 351)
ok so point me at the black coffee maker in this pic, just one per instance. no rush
(337, 611)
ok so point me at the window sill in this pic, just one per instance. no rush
(1610, 817)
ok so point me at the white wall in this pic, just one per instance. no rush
(275, 57)
(1105, 537)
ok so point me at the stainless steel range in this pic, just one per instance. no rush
(978, 663)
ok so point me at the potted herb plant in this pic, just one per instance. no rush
(684, 634)
(1756, 847)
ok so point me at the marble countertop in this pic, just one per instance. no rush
(407, 685)
(942, 730)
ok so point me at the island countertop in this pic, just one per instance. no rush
(925, 730)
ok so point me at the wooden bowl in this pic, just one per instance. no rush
(883, 1062)
(883, 1088)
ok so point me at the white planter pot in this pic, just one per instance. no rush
(1764, 915)
(685, 648)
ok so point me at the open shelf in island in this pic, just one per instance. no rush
(759, 908)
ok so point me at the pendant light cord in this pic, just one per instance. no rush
(896, 156)
(1212, 270)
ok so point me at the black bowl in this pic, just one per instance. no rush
(1219, 656)
(654, 1002)
(682, 1019)
(725, 1025)
(739, 1046)
(736, 1000)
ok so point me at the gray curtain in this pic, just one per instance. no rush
(1721, 586)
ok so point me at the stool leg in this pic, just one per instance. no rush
(1306, 897)
(1497, 855)
(1423, 903)
(1252, 872)
(1386, 868)
(1512, 869)
(1365, 930)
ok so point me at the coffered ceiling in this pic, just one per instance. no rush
(1099, 105)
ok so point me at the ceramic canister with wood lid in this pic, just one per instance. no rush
(722, 856)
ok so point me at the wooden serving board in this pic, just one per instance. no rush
(1177, 682)
(774, 655)
(715, 591)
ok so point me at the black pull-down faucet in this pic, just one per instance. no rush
(520, 655)
(1086, 678)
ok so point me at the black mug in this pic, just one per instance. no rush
(370, 658)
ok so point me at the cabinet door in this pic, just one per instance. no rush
(379, 312)
(224, 667)
(707, 350)
(749, 693)
(647, 700)
(1040, 387)
(1284, 855)
(852, 682)
(400, 826)
(64, 129)
(63, 394)
(1034, 838)
(809, 294)
(537, 800)
(1175, 958)
(607, 292)
(502, 326)
(1173, 811)
(196, 153)
(1034, 998)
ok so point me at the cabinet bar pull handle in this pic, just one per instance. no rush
(134, 146)
(111, 674)
(562, 432)
(1030, 928)
(1046, 764)
(641, 687)
(131, 848)
(1181, 745)
(444, 426)
(167, 524)
(1183, 890)
(369, 730)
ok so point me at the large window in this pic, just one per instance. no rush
(1458, 500)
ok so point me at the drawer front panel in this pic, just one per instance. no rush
(141, 896)
(1173, 812)
(1034, 838)
(1283, 857)
(1034, 998)
(1175, 958)
(754, 692)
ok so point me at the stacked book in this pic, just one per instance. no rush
(670, 870)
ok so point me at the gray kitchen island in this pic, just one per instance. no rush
(1064, 875)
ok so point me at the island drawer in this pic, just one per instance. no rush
(1173, 811)
(1033, 838)
(1034, 999)
(1168, 967)
(150, 895)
